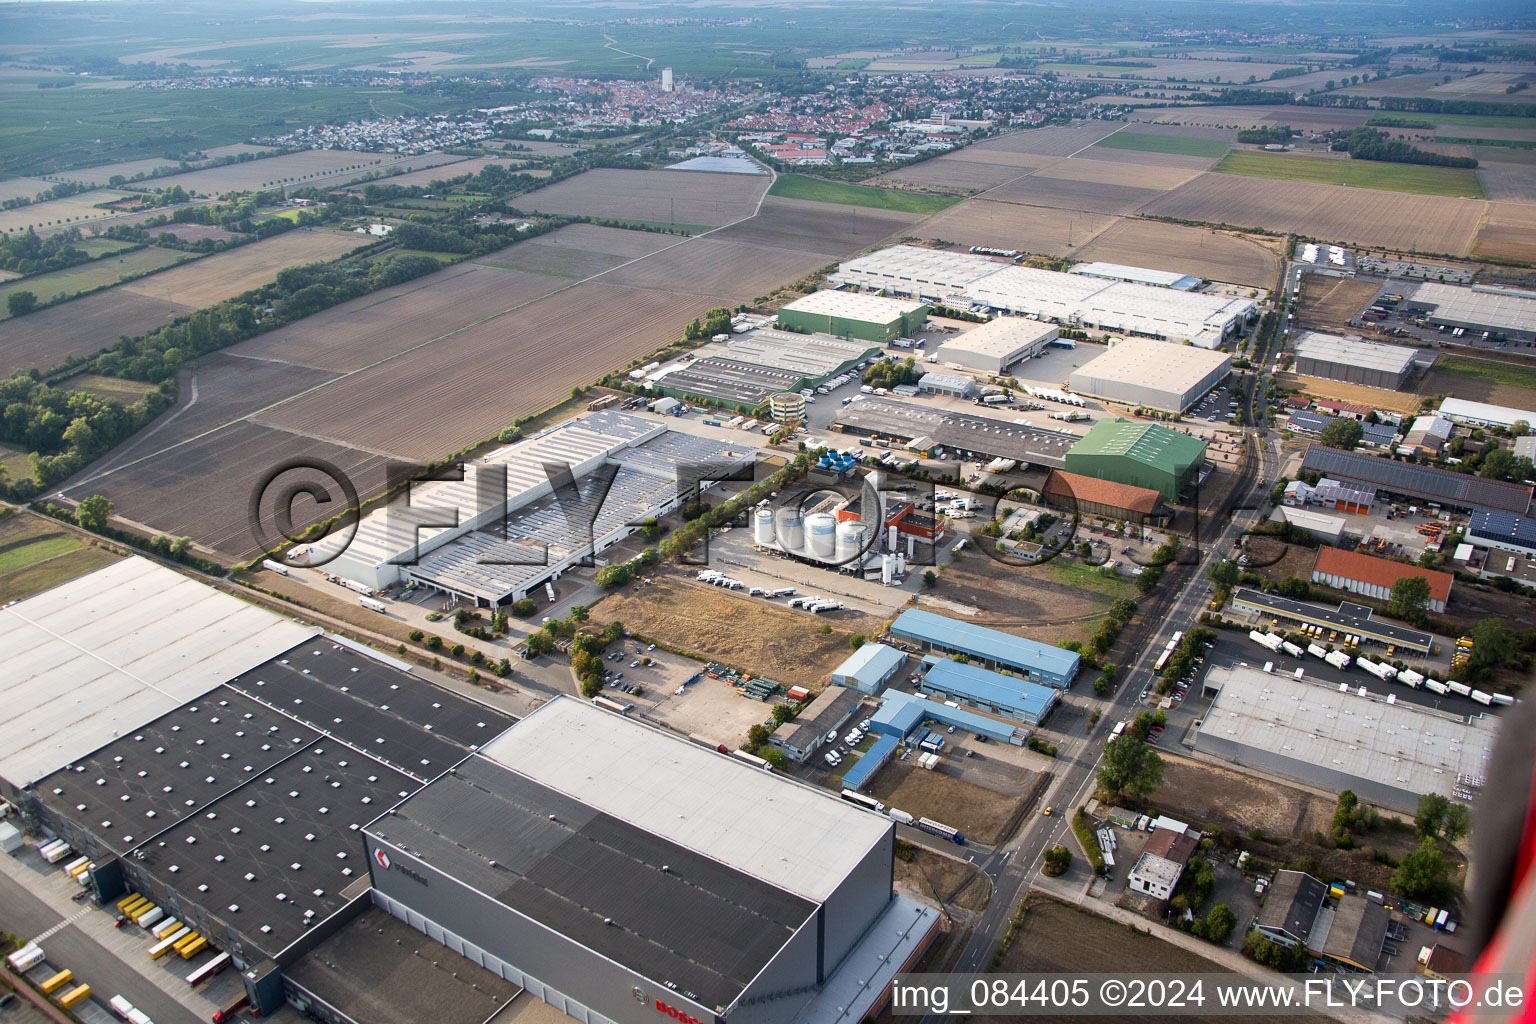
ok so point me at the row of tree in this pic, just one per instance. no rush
(1369, 144)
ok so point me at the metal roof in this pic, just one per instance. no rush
(1461, 489)
(789, 835)
(905, 711)
(999, 338)
(1292, 903)
(1347, 618)
(729, 381)
(1151, 444)
(1074, 488)
(829, 710)
(111, 651)
(869, 762)
(1162, 365)
(854, 306)
(1357, 929)
(1482, 412)
(1400, 746)
(1370, 355)
(1381, 572)
(982, 642)
(1310, 422)
(995, 437)
(1501, 526)
(1137, 275)
(982, 685)
(813, 356)
(871, 662)
(1506, 309)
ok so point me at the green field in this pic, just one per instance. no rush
(1495, 373)
(16, 464)
(37, 554)
(1142, 143)
(1086, 577)
(95, 274)
(115, 388)
(1422, 180)
(1506, 143)
(1467, 120)
(799, 186)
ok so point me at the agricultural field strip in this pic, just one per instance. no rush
(983, 193)
(251, 416)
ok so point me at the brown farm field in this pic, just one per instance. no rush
(1510, 230)
(310, 167)
(101, 174)
(1053, 140)
(1074, 194)
(457, 169)
(44, 339)
(194, 232)
(1441, 382)
(1333, 212)
(655, 196)
(984, 815)
(1140, 158)
(1115, 172)
(1036, 602)
(76, 209)
(1502, 178)
(22, 188)
(225, 275)
(1206, 793)
(577, 251)
(1329, 303)
(1036, 229)
(826, 229)
(1200, 252)
(1307, 118)
(762, 639)
(1340, 391)
(98, 273)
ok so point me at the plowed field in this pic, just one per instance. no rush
(47, 338)
(656, 196)
(1013, 226)
(821, 228)
(1070, 194)
(1510, 231)
(1116, 172)
(1185, 250)
(225, 275)
(1052, 141)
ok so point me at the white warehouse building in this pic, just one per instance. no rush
(998, 344)
(524, 514)
(1076, 300)
(1156, 374)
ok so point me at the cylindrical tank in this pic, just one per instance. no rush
(887, 569)
(762, 527)
(901, 562)
(850, 542)
(820, 532)
(890, 538)
(790, 529)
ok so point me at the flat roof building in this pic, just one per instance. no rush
(987, 691)
(1162, 862)
(727, 382)
(1374, 577)
(801, 737)
(869, 668)
(1508, 312)
(1350, 359)
(1147, 455)
(1492, 529)
(617, 870)
(1347, 619)
(964, 434)
(873, 318)
(1329, 529)
(1482, 414)
(1155, 374)
(998, 344)
(1073, 492)
(1137, 275)
(1334, 738)
(902, 714)
(870, 762)
(1034, 661)
(813, 357)
(1351, 934)
(1404, 479)
(951, 385)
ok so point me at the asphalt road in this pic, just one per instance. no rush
(25, 914)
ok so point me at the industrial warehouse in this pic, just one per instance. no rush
(997, 345)
(1034, 661)
(1146, 455)
(1337, 625)
(1374, 577)
(524, 514)
(1155, 374)
(1508, 313)
(1137, 275)
(1458, 490)
(616, 870)
(854, 315)
(992, 692)
(965, 435)
(1358, 362)
(756, 365)
(1073, 492)
(1387, 753)
(1482, 414)
(962, 279)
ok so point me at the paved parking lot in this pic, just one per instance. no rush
(708, 708)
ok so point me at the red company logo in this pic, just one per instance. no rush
(681, 1016)
(382, 858)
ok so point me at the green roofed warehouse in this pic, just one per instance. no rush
(1140, 454)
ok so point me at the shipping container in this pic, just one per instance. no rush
(208, 970)
(75, 996)
(170, 926)
(26, 958)
(57, 982)
(193, 948)
(170, 942)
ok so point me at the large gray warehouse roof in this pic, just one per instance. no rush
(791, 836)
(1508, 309)
(1353, 352)
(105, 654)
(999, 337)
(1156, 365)
(995, 437)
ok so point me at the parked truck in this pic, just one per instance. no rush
(1267, 640)
(1291, 649)
(1435, 686)
(1460, 689)
(1411, 678)
(1317, 651)
(1338, 659)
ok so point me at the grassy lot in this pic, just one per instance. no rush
(1387, 120)
(1164, 144)
(36, 554)
(114, 388)
(95, 274)
(1480, 369)
(799, 186)
(1428, 181)
(1086, 577)
(1506, 143)
(17, 464)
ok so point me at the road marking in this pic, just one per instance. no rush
(71, 919)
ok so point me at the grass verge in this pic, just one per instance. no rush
(1083, 829)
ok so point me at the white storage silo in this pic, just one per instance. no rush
(790, 529)
(891, 534)
(887, 569)
(762, 527)
(850, 542)
(821, 539)
(901, 562)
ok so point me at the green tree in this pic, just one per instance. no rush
(1456, 824)
(1493, 644)
(1430, 815)
(651, 528)
(434, 643)
(1219, 922)
(757, 736)
(92, 513)
(610, 576)
(1129, 767)
(930, 579)
(21, 303)
(1410, 600)
(1101, 686)
(540, 642)
(1224, 573)
(857, 640)
(1342, 432)
(1423, 874)
(783, 713)
(524, 607)
(579, 613)
(510, 434)
(1056, 861)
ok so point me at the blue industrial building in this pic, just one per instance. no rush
(1492, 529)
(902, 714)
(871, 761)
(1037, 662)
(868, 668)
(988, 691)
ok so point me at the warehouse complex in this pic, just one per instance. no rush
(1387, 753)
(1034, 661)
(526, 513)
(992, 692)
(1340, 624)
(1349, 359)
(757, 365)
(1077, 300)
(1506, 312)
(854, 315)
(869, 668)
(1155, 374)
(619, 872)
(1458, 490)
(1146, 455)
(972, 437)
(902, 715)
(1370, 576)
(1481, 414)
(1137, 275)
(997, 345)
